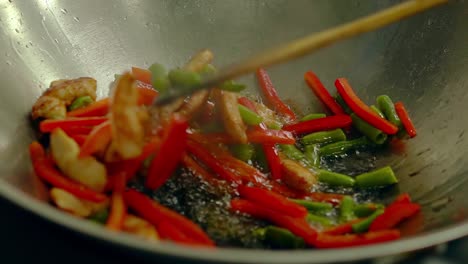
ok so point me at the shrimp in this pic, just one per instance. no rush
(61, 93)
(128, 121)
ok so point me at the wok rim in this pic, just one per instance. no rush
(91, 230)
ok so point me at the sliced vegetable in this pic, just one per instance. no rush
(339, 100)
(273, 160)
(341, 229)
(405, 119)
(315, 207)
(117, 208)
(364, 225)
(244, 152)
(312, 116)
(366, 209)
(212, 162)
(232, 86)
(338, 241)
(272, 96)
(249, 117)
(170, 153)
(146, 96)
(324, 137)
(374, 134)
(157, 214)
(341, 147)
(81, 102)
(385, 104)
(393, 215)
(97, 140)
(79, 139)
(311, 152)
(49, 125)
(272, 201)
(294, 153)
(377, 111)
(320, 124)
(98, 108)
(335, 179)
(280, 238)
(321, 92)
(361, 109)
(321, 220)
(346, 212)
(159, 77)
(141, 75)
(254, 135)
(45, 170)
(184, 78)
(297, 226)
(380, 177)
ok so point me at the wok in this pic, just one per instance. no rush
(422, 61)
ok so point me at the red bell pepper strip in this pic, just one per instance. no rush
(172, 149)
(98, 108)
(320, 124)
(49, 125)
(247, 103)
(297, 226)
(274, 161)
(332, 198)
(205, 175)
(402, 198)
(272, 96)
(169, 231)
(393, 215)
(130, 166)
(44, 169)
(352, 240)
(156, 214)
(77, 130)
(118, 210)
(141, 75)
(204, 156)
(79, 139)
(322, 93)
(342, 229)
(361, 109)
(405, 119)
(146, 96)
(272, 201)
(97, 140)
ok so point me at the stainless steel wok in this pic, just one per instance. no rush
(422, 61)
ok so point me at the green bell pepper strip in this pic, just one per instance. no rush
(313, 116)
(366, 209)
(311, 152)
(377, 111)
(249, 116)
(244, 152)
(321, 220)
(324, 137)
(374, 134)
(386, 105)
(341, 147)
(232, 86)
(184, 78)
(281, 238)
(80, 102)
(364, 225)
(335, 179)
(346, 209)
(315, 207)
(159, 78)
(380, 177)
(343, 104)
